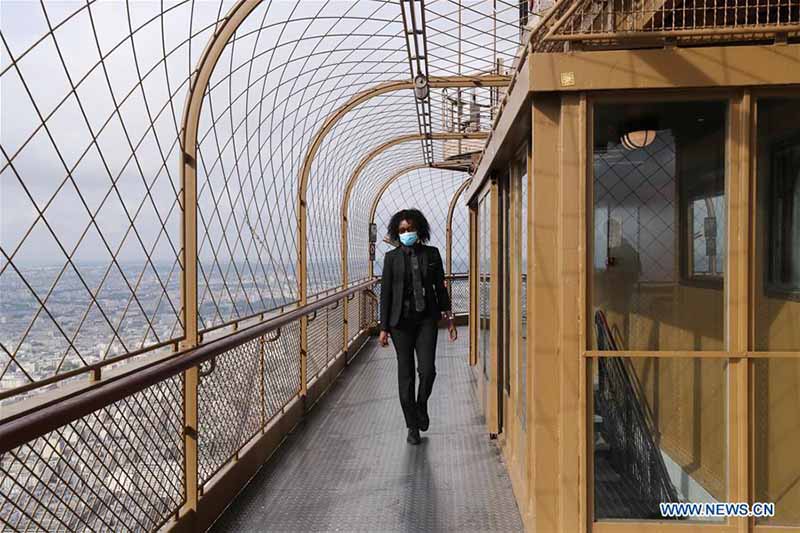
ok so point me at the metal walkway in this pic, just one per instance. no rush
(347, 467)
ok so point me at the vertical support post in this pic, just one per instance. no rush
(191, 377)
(302, 289)
(345, 281)
(570, 225)
(449, 235)
(190, 125)
(738, 193)
(543, 323)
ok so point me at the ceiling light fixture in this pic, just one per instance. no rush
(633, 140)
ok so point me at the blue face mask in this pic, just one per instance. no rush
(408, 238)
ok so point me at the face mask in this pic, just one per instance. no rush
(408, 238)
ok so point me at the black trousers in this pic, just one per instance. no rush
(410, 336)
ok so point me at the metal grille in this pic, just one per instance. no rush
(629, 428)
(690, 21)
(242, 391)
(354, 316)
(459, 294)
(117, 469)
(369, 304)
(318, 339)
(635, 193)
(230, 405)
(99, 215)
(92, 96)
(335, 330)
(98, 144)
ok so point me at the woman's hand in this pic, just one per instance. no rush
(383, 338)
(453, 332)
(451, 326)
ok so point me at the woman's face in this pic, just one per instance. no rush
(406, 226)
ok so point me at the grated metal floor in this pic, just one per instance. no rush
(347, 467)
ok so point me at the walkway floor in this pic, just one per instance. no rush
(347, 467)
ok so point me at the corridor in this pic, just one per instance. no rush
(347, 467)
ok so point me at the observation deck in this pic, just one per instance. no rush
(347, 466)
(195, 196)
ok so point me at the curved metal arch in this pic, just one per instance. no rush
(190, 125)
(391, 179)
(385, 185)
(365, 161)
(449, 227)
(189, 131)
(451, 209)
(435, 82)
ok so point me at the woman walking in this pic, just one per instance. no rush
(413, 299)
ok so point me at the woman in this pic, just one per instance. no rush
(413, 299)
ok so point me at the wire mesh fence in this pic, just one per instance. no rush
(119, 468)
(98, 207)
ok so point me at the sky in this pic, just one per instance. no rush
(90, 188)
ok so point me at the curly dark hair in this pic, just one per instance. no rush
(416, 217)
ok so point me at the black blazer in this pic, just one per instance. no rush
(392, 289)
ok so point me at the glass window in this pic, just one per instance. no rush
(778, 225)
(776, 434)
(522, 289)
(659, 224)
(484, 280)
(505, 282)
(707, 236)
(660, 434)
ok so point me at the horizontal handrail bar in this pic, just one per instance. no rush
(98, 366)
(33, 424)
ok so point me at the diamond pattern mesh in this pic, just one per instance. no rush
(117, 469)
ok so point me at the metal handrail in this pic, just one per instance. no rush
(41, 420)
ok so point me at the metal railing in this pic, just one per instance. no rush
(603, 23)
(629, 429)
(113, 456)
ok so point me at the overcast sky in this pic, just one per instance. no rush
(107, 25)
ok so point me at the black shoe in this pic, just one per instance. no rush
(413, 436)
(423, 419)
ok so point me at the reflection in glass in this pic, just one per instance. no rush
(707, 223)
(660, 434)
(659, 224)
(777, 434)
(778, 225)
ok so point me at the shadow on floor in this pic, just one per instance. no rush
(347, 467)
